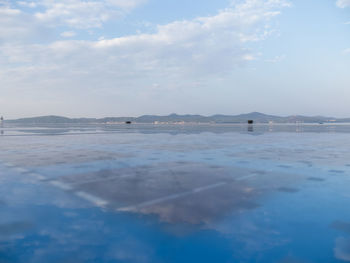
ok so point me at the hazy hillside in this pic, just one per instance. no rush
(173, 118)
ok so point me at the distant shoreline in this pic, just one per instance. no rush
(256, 117)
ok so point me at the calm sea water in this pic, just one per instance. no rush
(202, 193)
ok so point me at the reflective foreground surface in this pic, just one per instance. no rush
(233, 193)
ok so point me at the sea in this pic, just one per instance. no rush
(175, 193)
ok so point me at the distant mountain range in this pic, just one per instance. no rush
(257, 117)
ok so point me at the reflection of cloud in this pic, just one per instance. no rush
(60, 157)
(73, 235)
(204, 207)
(342, 226)
(24, 190)
(12, 228)
(177, 193)
(290, 259)
(193, 193)
(342, 245)
(287, 189)
(342, 249)
(246, 230)
(125, 251)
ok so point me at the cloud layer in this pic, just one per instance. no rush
(178, 54)
(78, 13)
(343, 3)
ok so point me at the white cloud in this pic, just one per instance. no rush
(79, 14)
(7, 11)
(276, 59)
(14, 24)
(205, 45)
(37, 20)
(83, 14)
(174, 56)
(126, 3)
(346, 51)
(68, 34)
(343, 3)
(27, 4)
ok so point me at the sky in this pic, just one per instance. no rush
(98, 58)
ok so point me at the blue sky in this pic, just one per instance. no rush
(133, 57)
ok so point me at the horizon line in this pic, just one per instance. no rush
(187, 114)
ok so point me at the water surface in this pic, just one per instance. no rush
(175, 193)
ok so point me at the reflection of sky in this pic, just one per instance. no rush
(185, 197)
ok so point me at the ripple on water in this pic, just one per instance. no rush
(316, 179)
(336, 171)
(288, 189)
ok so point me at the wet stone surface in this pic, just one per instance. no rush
(175, 194)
